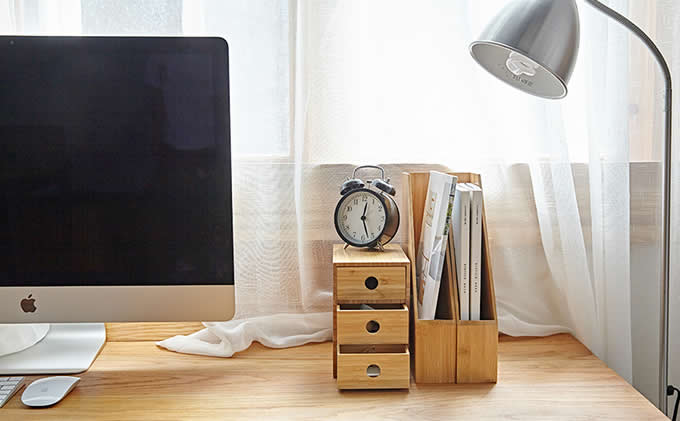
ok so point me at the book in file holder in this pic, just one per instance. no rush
(447, 349)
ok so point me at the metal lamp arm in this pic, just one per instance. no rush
(638, 32)
(666, 204)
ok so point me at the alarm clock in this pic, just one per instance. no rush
(367, 214)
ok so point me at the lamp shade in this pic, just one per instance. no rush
(531, 45)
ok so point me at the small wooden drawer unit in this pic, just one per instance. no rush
(371, 318)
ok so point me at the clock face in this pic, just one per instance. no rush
(360, 217)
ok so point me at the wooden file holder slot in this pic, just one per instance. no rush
(447, 349)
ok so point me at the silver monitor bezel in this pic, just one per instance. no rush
(68, 304)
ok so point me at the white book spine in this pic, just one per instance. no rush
(461, 242)
(475, 252)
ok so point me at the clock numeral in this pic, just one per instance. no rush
(364, 198)
(356, 201)
(363, 237)
(349, 209)
(382, 219)
(354, 234)
(344, 217)
(372, 234)
(373, 201)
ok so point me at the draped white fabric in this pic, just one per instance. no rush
(318, 86)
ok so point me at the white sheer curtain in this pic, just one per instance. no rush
(319, 86)
(392, 81)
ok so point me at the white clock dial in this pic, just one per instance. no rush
(361, 217)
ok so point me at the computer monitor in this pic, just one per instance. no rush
(115, 181)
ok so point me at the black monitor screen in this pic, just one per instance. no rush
(114, 162)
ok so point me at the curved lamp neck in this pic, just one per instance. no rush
(638, 32)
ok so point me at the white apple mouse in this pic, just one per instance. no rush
(48, 391)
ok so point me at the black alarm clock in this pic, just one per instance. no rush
(367, 214)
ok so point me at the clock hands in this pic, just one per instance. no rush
(363, 219)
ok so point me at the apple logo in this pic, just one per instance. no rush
(28, 304)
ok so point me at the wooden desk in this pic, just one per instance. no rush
(539, 379)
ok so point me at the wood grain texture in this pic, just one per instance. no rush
(432, 342)
(439, 356)
(477, 351)
(351, 287)
(352, 256)
(393, 367)
(553, 378)
(335, 319)
(130, 332)
(415, 204)
(391, 325)
(352, 268)
(434, 345)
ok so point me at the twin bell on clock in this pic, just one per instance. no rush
(367, 214)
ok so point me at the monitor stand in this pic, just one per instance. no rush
(68, 348)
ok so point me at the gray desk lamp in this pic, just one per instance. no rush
(532, 45)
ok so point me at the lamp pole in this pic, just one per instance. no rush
(532, 45)
(666, 199)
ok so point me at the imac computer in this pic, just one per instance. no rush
(115, 191)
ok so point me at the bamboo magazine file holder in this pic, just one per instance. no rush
(447, 349)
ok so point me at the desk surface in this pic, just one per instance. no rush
(538, 378)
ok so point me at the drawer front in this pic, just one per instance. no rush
(380, 326)
(371, 284)
(373, 370)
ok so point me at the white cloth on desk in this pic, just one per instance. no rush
(224, 339)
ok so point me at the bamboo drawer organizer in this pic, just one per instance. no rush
(447, 349)
(370, 318)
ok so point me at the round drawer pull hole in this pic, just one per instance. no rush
(372, 326)
(372, 370)
(371, 282)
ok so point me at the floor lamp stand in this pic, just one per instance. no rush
(666, 200)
